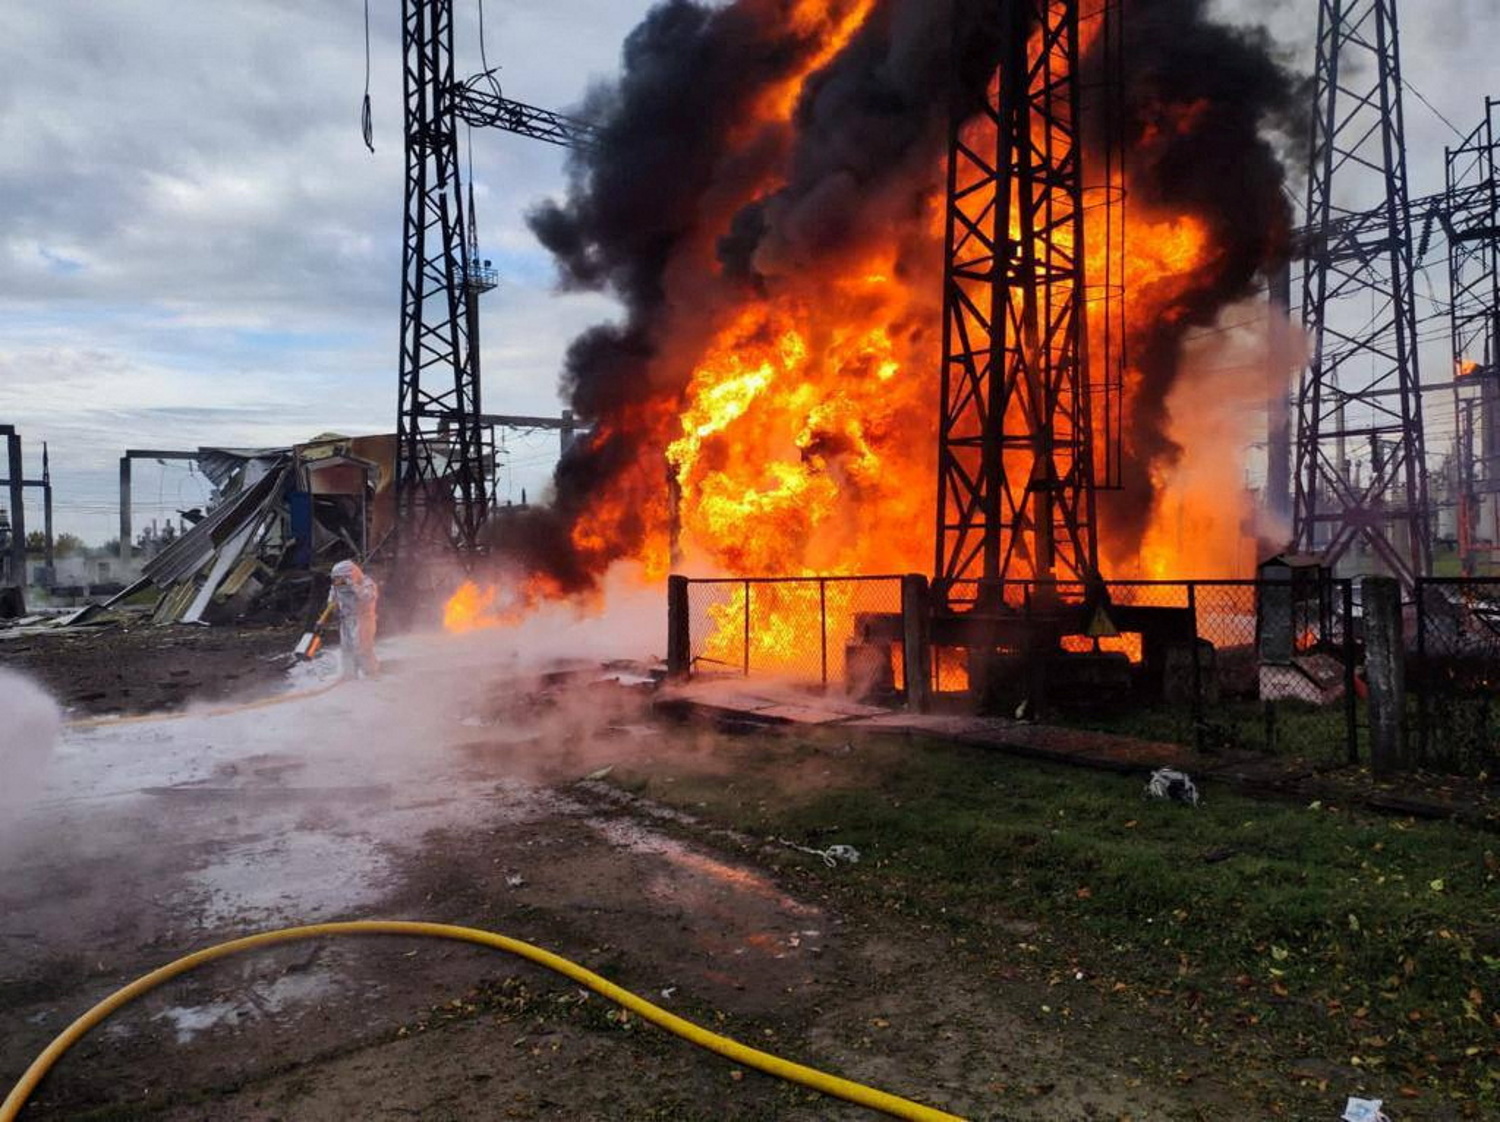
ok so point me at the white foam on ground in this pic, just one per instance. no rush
(290, 812)
(263, 999)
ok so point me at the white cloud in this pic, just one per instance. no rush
(198, 249)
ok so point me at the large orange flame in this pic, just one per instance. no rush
(804, 442)
(472, 608)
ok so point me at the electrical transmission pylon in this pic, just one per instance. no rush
(1361, 467)
(1016, 455)
(1472, 221)
(442, 498)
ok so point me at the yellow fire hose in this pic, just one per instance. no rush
(892, 1105)
(219, 711)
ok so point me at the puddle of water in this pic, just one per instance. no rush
(262, 999)
(302, 874)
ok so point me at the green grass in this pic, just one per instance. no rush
(1292, 729)
(1330, 933)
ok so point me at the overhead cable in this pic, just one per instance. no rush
(366, 124)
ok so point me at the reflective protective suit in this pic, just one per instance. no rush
(356, 596)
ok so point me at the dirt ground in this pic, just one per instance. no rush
(143, 669)
(461, 788)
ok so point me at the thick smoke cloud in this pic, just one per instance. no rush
(694, 202)
(636, 200)
(1201, 102)
(870, 133)
(677, 186)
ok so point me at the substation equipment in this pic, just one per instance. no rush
(13, 572)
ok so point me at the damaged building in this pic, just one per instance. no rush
(280, 516)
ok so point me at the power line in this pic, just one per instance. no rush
(1435, 111)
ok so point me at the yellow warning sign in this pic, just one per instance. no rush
(1101, 626)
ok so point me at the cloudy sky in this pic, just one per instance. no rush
(197, 249)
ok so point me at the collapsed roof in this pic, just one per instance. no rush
(281, 511)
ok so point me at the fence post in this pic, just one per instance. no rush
(1423, 676)
(916, 644)
(1192, 593)
(1351, 704)
(747, 629)
(1385, 674)
(679, 630)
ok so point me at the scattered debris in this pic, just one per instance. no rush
(636, 731)
(831, 856)
(1364, 1110)
(1169, 783)
(230, 551)
(515, 880)
(281, 514)
(633, 676)
(1317, 679)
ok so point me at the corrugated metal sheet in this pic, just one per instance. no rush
(222, 465)
(189, 553)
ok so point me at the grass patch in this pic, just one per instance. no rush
(1282, 728)
(1372, 942)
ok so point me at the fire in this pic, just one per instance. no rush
(795, 628)
(1129, 643)
(950, 669)
(795, 453)
(830, 24)
(788, 419)
(637, 508)
(472, 608)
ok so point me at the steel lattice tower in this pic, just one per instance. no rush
(1472, 218)
(1015, 459)
(1361, 468)
(444, 446)
(440, 490)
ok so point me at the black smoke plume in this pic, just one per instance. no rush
(1201, 105)
(665, 214)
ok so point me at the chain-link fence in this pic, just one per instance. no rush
(1267, 666)
(1264, 666)
(841, 631)
(1278, 667)
(1454, 674)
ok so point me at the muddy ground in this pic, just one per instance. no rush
(461, 788)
